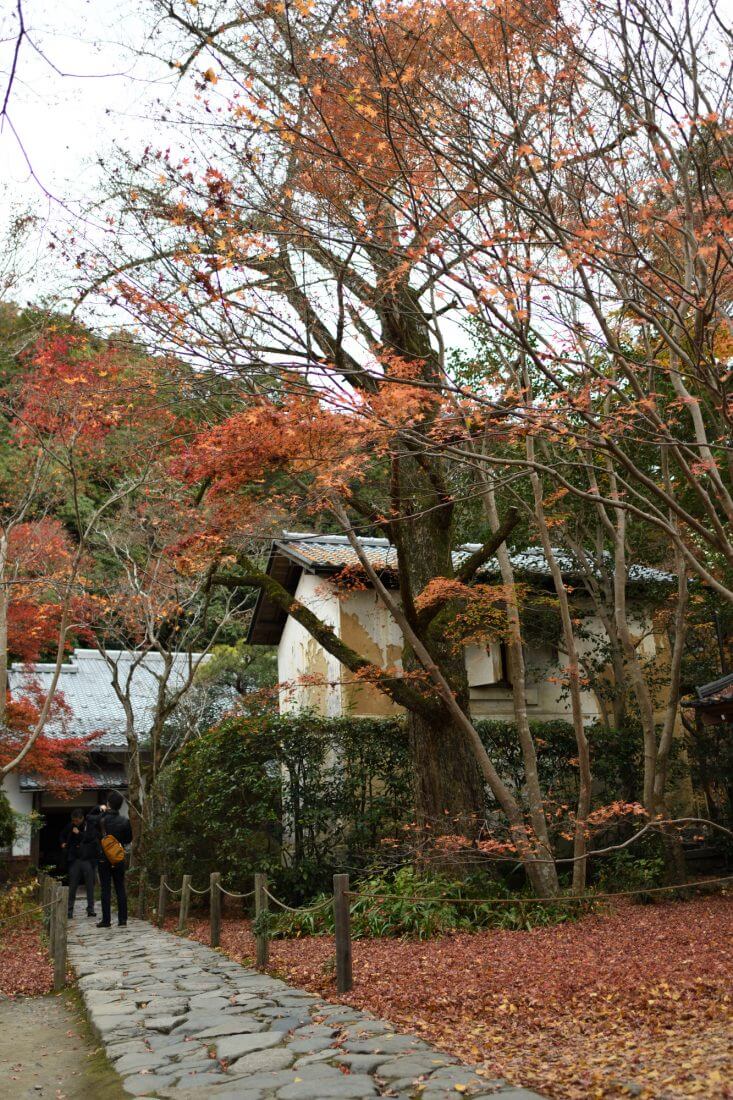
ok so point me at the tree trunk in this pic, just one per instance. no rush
(542, 875)
(135, 794)
(585, 781)
(449, 794)
(4, 601)
(534, 855)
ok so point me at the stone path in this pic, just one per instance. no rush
(182, 1021)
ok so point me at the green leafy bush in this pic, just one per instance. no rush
(297, 796)
(419, 905)
(638, 870)
(219, 809)
(17, 897)
(8, 824)
(301, 797)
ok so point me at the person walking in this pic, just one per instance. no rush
(109, 822)
(78, 840)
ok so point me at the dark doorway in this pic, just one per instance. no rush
(50, 854)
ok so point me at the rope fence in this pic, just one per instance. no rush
(25, 913)
(341, 902)
(54, 907)
(304, 910)
(229, 894)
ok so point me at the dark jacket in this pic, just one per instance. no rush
(79, 844)
(70, 839)
(111, 824)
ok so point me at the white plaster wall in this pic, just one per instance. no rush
(546, 699)
(376, 620)
(298, 653)
(363, 611)
(21, 802)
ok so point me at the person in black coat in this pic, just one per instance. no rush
(108, 821)
(78, 840)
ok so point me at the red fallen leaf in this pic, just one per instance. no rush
(25, 966)
(581, 1025)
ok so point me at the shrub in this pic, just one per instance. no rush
(419, 905)
(8, 825)
(17, 897)
(219, 809)
(301, 796)
(298, 796)
(639, 870)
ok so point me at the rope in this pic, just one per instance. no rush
(544, 901)
(26, 913)
(289, 908)
(171, 890)
(229, 894)
(194, 891)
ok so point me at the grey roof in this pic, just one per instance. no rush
(331, 552)
(92, 778)
(298, 550)
(713, 694)
(86, 686)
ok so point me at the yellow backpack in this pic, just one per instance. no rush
(112, 848)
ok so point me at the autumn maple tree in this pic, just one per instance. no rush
(83, 422)
(315, 187)
(376, 173)
(153, 585)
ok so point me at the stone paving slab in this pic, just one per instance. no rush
(183, 1022)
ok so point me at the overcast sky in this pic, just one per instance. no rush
(66, 122)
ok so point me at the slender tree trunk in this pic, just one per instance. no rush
(633, 664)
(674, 855)
(135, 798)
(585, 778)
(543, 875)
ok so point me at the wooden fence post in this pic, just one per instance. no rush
(185, 900)
(142, 894)
(215, 908)
(162, 899)
(342, 926)
(59, 940)
(52, 917)
(50, 900)
(46, 898)
(261, 907)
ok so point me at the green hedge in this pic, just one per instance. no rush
(7, 822)
(302, 796)
(297, 795)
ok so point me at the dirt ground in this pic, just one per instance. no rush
(48, 1051)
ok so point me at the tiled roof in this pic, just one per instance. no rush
(297, 551)
(335, 551)
(717, 691)
(86, 685)
(332, 552)
(93, 778)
